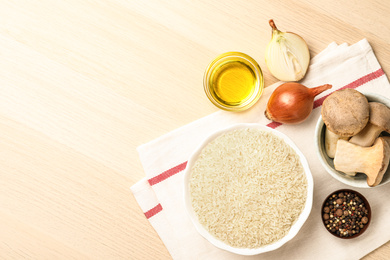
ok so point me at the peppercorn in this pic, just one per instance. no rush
(345, 214)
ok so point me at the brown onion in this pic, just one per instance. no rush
(292, 103)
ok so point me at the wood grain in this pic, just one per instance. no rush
(83, 83)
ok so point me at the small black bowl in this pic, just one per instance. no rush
(349, 215)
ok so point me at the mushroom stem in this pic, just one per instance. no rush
(387, 139)
(331, 145)
(367, 136)
(331, 142)
(379, 121)
(372, 161)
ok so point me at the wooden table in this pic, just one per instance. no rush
(83, 83)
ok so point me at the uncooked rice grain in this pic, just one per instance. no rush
(248, 187)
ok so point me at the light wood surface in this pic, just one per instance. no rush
(83, 83)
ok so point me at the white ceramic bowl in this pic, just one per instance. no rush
(248, 251)
(360, 180)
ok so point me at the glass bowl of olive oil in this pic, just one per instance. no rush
(233, 81)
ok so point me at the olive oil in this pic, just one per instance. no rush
(233, 81)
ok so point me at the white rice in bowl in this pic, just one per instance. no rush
(247, 188)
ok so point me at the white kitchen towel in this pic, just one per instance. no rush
(160, 193)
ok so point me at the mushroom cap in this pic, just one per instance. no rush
(380, 115)
(345, 112)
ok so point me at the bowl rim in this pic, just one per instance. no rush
(322, 156)
(255, 68)
(294, 228)
(367, 205)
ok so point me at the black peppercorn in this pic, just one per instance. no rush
(345, 214)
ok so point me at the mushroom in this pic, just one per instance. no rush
(379, 121)
(387, 139)
(331, 145)
(345, 112)
(331, 142)
(372, 161)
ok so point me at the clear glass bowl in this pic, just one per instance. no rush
(233, 81)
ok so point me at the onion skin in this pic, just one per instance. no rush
(292, 103)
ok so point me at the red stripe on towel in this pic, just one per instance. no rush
(168, 173)
(165, 175)
(274, 124)
(150, 213)
(357, 83)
